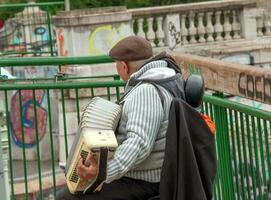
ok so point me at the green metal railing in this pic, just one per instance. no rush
(243, 137)
(243, 141)
(62, 88)
(26, 31)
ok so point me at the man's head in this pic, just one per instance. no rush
(130, 54)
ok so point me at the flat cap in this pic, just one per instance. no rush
(131, 48)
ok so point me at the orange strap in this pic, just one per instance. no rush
(209, 122)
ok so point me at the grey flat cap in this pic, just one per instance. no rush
(131, 48)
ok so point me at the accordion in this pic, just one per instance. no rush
(96, 135)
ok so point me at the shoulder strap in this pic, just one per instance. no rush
(161, 96)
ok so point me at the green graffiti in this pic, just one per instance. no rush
(194, 70)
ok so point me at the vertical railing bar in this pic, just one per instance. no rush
(244, 152)
(41, 22)
(251, 160)
(117, 88)
(214, 192)
(228, 149)
(51, 140)
(239, 152)
(92, 92)
(24, 36)
(267, 148)
(9, 146)
(35, 20)
(206, 106)
(221, 149)
(218, 178)
(256, 155)
(77, 105)
(37, 142)
(262, 160)
(64, 122)
(108, 93)
(118, 93)
(50, 30)
(23, 144)
(224, 151)
(234, 153)
(202, 108)
(211, 112)
(217, 144)
(28, 33)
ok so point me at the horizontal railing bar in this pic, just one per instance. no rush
(24, 53)
(14, 80)
(238, 107)
(21, 62)
(17, 5)
(193, 6)
(61, 85)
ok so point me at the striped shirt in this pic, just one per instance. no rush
(142, 129)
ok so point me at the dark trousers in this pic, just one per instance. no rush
(122, 189)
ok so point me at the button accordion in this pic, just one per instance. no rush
(96, 135)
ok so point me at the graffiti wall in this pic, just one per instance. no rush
(103, 38)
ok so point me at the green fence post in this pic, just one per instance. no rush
(223, 151)
(4, 182)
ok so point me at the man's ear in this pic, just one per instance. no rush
(126, 67)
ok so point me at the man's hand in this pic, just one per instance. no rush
(89, 170)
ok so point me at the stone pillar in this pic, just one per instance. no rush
(91, 32)
(248, 22)
(172, 30)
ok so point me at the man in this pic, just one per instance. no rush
(134, 172)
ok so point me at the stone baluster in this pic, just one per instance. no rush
(150, 32)
(140, 32)
(267, 25)
(134, 22)
(210, 27)
(184, 29)
(201, 28)
(259, 26)
(227, 26)
(160, 35)
(192, 29)
(218, 26)
(235, 26)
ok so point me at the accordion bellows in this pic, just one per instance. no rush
(95, 134)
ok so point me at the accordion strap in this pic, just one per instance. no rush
(102, 163)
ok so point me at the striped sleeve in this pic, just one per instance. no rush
(144, 113)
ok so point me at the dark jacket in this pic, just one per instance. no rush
(189, 165)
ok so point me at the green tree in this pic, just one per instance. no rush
(83, 4)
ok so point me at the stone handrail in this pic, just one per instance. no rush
(236, 79)
(199, 22)
(200, 6)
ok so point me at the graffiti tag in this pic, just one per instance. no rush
(27, 123)
(255, 87)
(175, 35)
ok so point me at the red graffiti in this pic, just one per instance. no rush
(1, 24)
(62, 51)
(28, 117)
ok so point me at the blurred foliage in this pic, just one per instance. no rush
(83, 4)
(129, 3)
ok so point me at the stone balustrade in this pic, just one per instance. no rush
(203, 22)
(182, 26)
